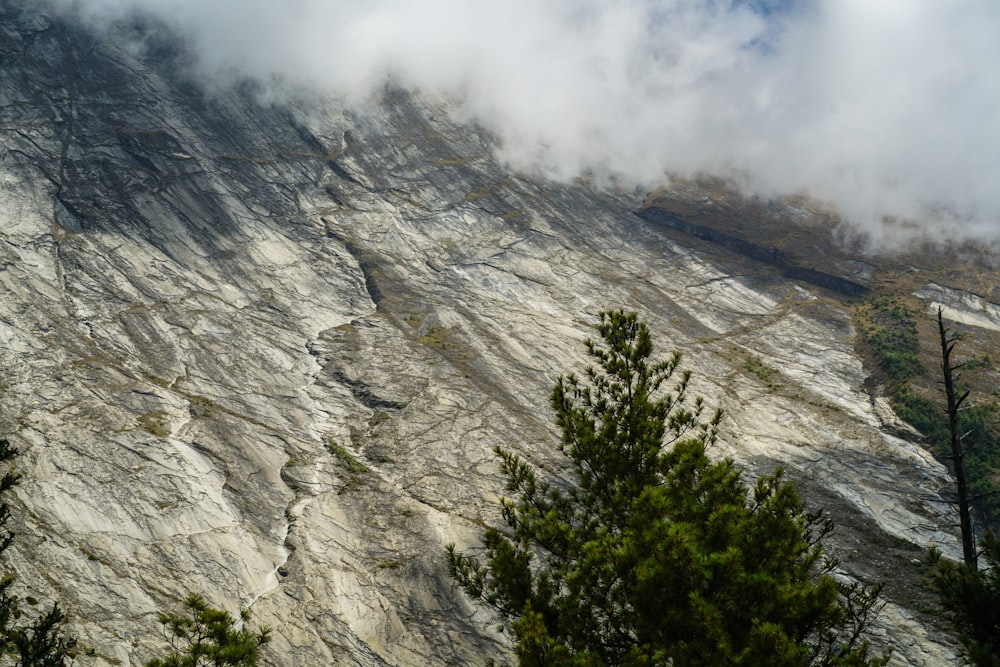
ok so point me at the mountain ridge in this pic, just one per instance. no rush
(264, 352)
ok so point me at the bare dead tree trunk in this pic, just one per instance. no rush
(957, 453)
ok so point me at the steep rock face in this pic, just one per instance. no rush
(264, 352)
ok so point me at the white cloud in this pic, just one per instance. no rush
(883, 107)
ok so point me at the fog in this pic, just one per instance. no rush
(887, 109)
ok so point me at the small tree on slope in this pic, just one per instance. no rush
(40, 643)
(969, 594)
(655, 554)
(207, 637)
(971, 598)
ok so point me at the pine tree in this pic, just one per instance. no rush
(38, 643)
(656, 554)
(971, 596)
(955, 399)
(204, 636)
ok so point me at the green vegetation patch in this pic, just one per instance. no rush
(888, 325)
(202, 406)
(452, 161)
(345, 459)
(156, 423)
(980, 439)
(389, 564)
(656, 539)
(481, 193)
(437, 337)
(353, 468)
(756, 366)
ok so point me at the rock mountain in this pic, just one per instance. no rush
(263, 351)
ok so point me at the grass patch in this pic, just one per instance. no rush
(757, 367)
(982, 362)
(389, 564)
(481, 193)
(379, 417)
(981, 442)
(452, 161)
(345, 459)
(437, 337)
(202, 407)
(888, 327)
(156, 423)
(354, 470)
(887, 323)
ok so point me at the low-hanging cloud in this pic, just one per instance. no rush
(889, 109)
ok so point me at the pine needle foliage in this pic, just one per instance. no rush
(40, 642)
(971, 597)
(656, 554)
(969, 593)
(207, 637)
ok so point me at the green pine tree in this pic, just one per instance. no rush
(970, 594)
(35, 643)
(971, 597)
(655, 554)
(203, 637)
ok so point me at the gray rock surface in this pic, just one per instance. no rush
(264, 352)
